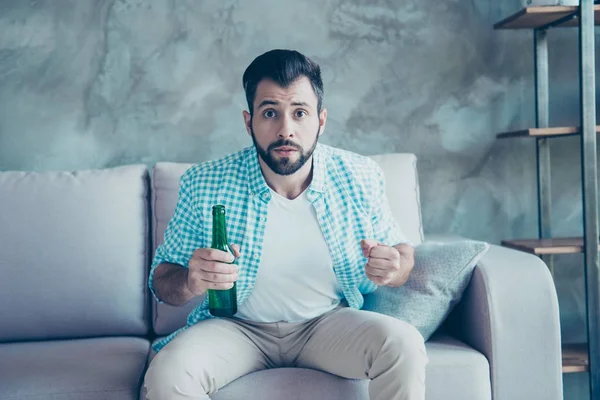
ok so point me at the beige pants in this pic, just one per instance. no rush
(345, 342)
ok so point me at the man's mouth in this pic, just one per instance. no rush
(285, 150)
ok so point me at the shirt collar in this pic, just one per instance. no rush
(319, 169)
(256, 180)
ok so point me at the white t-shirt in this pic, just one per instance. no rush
(295, 280)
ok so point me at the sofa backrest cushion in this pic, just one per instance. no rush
(402, 188)
(165, 189)
(401, 185)
(74, 252)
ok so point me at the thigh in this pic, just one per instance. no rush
(202, 359)
(347, 342)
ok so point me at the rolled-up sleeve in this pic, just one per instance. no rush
(182, 236)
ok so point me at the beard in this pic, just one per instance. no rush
(284, 165)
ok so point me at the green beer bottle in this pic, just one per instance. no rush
(221, 303)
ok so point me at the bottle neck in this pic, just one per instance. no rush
(219, 234)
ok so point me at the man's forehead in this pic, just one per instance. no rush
(300, 91)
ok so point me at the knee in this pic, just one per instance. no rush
(168, 377)
(402, 341)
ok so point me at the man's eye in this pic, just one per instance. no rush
(300, 114)
(269, 114)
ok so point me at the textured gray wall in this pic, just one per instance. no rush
(86, 84)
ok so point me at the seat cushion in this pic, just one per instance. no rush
(74, 253)
(81, 369)
(294, 384)
(455, 371)
(402, 189)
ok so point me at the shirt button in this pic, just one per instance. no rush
(256, 255)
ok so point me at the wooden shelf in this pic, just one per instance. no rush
(574, 358)
(539, 16)
(543, 132)
(568, 245)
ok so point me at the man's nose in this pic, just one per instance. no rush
(286, 130)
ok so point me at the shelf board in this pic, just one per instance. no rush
(567, 245)
(574, 358)
(539, 16)
(543, 132)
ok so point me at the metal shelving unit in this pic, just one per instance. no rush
(582, 357)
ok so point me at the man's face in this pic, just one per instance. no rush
(286, 125)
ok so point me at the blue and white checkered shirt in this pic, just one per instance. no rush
(347, 191)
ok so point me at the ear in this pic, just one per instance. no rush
(322, 120)
(248, 122)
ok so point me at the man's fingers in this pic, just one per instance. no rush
(378, 263)
(200, 280)
(378, 280)
(236, 250)
(377, 272)
(385, 253)
(218, 267)
(220, 286)
(219, 278)
(213, 255)
(367, 245)
(212, 266)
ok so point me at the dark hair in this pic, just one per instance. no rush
(284, 67)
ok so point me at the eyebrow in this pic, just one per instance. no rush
(267, 103)
(274, 103)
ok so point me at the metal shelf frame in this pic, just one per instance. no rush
(589, 172)
(587, 86)
(541, 19)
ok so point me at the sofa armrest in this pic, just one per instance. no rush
(509, 312)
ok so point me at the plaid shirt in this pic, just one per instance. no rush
(347, 191)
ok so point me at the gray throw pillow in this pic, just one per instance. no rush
(442, 272)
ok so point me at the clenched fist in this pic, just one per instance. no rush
(384, 262)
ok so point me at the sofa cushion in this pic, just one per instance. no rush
(294, 384)
(74, 253)
(455, 371)
(81, 369)
(442, 272)
(165, 189)
(401, 186)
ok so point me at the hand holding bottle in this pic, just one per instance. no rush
(212, 269)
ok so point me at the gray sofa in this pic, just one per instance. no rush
(77, 319)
